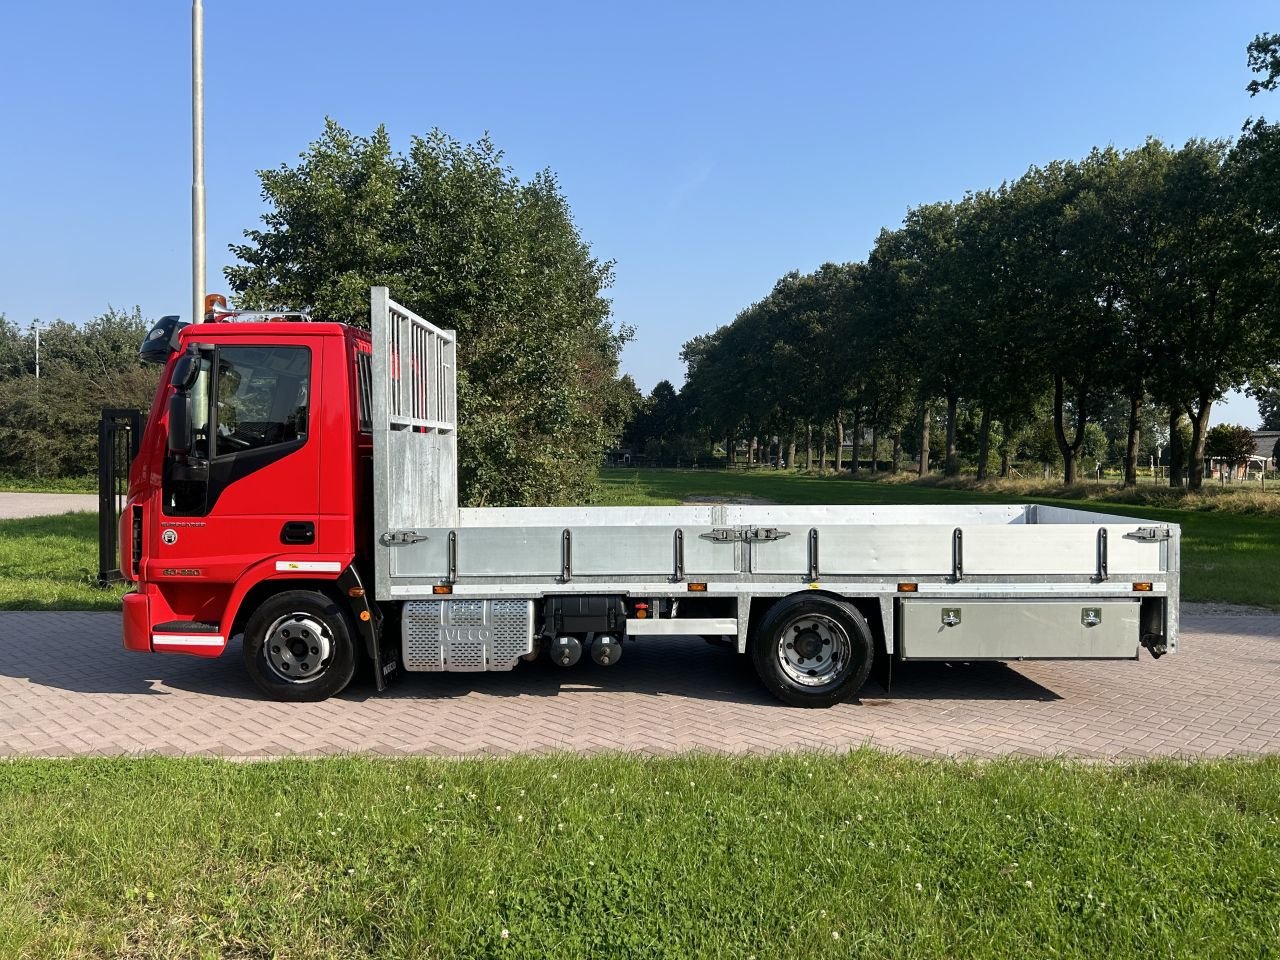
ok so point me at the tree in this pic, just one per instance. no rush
(1268, 407)
(1264, 60)
(48, 427)
(1216, 292)
(1080, 319)
(657, 425)
(1231, 443)
(461, 241)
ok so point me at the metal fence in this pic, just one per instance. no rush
(119, 432)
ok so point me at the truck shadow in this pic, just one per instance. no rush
(77, 658)
(686, 668)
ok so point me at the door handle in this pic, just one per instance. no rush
(298, 531)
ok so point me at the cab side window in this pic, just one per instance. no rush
(261, 396)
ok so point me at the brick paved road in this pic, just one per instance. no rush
(66, 687)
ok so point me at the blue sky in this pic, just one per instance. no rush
(708, 148)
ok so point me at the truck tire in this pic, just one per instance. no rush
(812, 650)
(298, 647)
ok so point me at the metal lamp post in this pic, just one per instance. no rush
(197, 162)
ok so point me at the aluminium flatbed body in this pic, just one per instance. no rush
(963, 582)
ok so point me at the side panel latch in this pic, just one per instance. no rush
(745, 534)
(399, 538)
(1149, 534)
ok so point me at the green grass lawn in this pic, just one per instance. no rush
(810, 856)
(51, 563)
(1226, 557)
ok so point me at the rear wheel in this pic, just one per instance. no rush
(812, 651)
(297, 647)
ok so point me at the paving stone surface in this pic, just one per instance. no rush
(68, 688)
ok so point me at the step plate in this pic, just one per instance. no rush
(465, 636)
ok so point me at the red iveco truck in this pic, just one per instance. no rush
(296, 486)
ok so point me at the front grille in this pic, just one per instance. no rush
(136, 545)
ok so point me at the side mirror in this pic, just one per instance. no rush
(185, 372)
(180, 421)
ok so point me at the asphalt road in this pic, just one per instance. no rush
(17, 505)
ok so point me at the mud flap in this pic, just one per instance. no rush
(882, 668)
(368, 620)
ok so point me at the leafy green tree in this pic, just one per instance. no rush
(1216, 298)
(1231, 443)
(48, 426)
(1079, 321)
(1256, 163)
(1264, 60)
(657, 427)
(1268, 407)
(463, 242)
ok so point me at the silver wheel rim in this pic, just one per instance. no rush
(814, 650)
(298, 647)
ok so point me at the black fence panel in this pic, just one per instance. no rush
(119, 432)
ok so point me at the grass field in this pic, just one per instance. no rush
(811, 856)
(1226, 557)
(51, 563)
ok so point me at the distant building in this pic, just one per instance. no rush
(1266, 446)
(1263, 459)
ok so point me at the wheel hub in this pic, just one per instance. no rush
(298, 647)
(808, 643)
(814, 650)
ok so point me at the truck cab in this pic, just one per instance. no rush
(253, 459)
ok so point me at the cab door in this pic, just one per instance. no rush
(249, 488)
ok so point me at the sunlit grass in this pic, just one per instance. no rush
(51, 563)
(806, 856)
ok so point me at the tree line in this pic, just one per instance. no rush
(49, 421)
(1020, 319)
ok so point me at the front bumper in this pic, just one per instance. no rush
(137, 622)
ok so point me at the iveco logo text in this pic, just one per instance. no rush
(465, 634)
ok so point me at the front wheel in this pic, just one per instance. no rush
(297, 647)
(812, 651)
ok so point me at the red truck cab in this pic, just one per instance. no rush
(247, 482)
